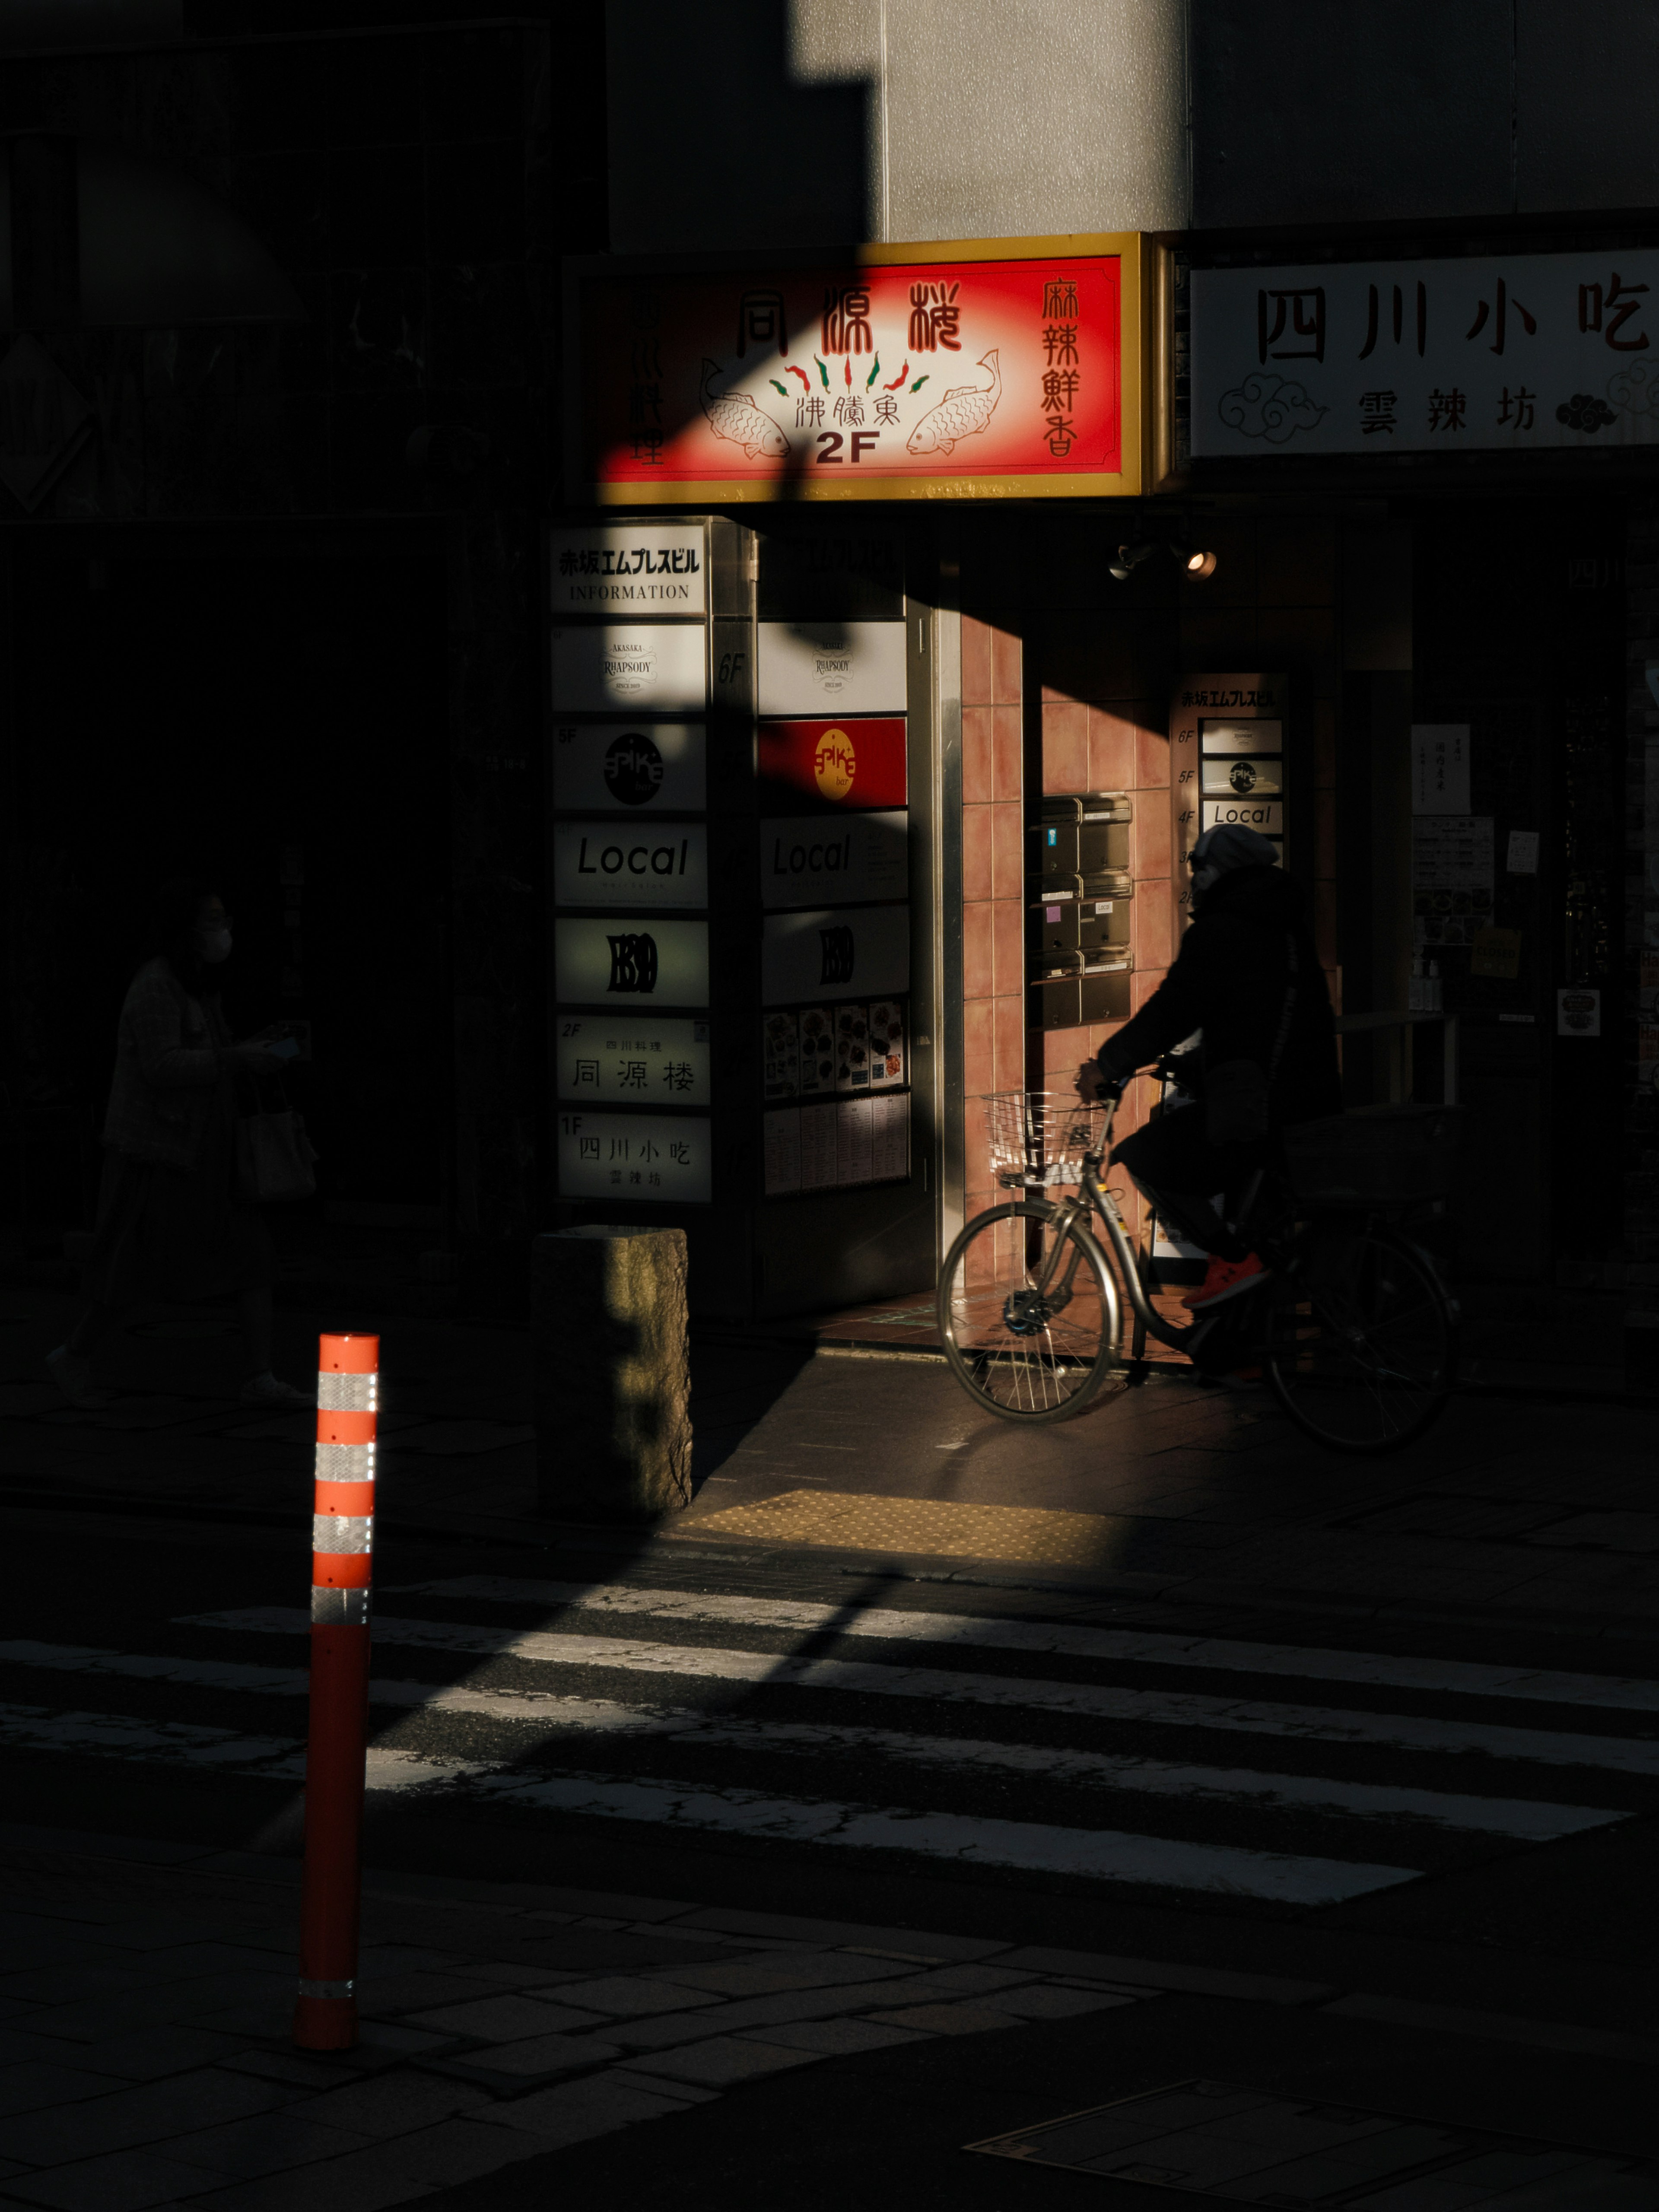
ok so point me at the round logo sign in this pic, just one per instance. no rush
(633, 769)
(1242, 775)
(835, 764)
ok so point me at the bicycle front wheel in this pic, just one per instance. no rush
(1029, 1314)
(1362, 1338)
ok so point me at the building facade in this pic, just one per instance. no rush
(1382, 286)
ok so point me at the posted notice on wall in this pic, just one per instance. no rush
(1440, 768)
(1452, 875)
(650, 1156)
(837, 1145)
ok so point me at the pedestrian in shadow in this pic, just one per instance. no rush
(170, 1224)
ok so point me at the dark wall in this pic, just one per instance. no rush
(409, 186)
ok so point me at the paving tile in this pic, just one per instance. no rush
(405, 1959)
(437, 2158)
(306, 2073)
(269, 2144)
(367, 2181)
(908, 1941)
(1161, 1974)
(34, 2088)
(578, 2110)
(53, 1985)
(761, 1976)
(630, 1995)
(688, 2091)
(671, 2029)
(947, 2019)
(125, 2181)
(147, 2056)
(1043, 2000)
(150, 2114)
(393, 1995)
(506, 2019)
(839, 2038)
(970, 1981)
(510, 2068)
(392, 2105)
(504, 1972)
(726, 2060)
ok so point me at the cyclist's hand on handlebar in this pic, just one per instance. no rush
(1095, 1086)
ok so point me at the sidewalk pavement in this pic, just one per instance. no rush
(1527, 1510)
(144, 2059)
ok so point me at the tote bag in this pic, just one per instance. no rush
(274, 1155)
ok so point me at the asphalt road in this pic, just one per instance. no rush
(1452, 1817)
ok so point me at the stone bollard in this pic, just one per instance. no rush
(613, 1383)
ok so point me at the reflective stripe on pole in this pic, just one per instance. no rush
(342, 1547)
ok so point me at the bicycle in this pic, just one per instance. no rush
(1352, 1327)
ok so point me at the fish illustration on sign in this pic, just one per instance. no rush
(732, 414)
(962, 413)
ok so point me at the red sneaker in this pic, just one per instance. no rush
(1225, 1279)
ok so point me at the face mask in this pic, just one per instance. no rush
(215, 945)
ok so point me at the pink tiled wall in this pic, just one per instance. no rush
(992, 884)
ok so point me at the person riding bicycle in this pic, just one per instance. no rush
(1247, 979)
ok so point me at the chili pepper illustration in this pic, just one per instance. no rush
(847, 366)
(795, 369)
(823, 373)
(873, 374)
(783, 388)
(920, 381)
(898, 379)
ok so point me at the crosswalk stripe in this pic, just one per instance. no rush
(273, 1759)
(1097, 1854)
(1385, 1670)
(866, 1678)
(1520, 1817)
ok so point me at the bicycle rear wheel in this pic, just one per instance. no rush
(1029, 1341)
(1362, 1338)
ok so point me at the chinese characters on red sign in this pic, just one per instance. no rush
(963, 370)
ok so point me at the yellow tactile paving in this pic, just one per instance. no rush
(856, 1522)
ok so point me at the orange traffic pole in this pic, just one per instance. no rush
(341, 1549)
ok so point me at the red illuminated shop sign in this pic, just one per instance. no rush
(853, 764)
(925, 371)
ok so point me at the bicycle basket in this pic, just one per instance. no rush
(1040, 1137)
(1375, 1156)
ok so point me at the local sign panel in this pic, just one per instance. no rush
(1513, 353)
(598, 863)
(992, 366)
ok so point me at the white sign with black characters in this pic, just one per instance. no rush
(835, 951)
(1440, 768)
(1513, 353)
(832, 668)
(646, 768)
(629, 567)
(649, 1156)
(634, 961)
(660, 1058)
(599, 863)
(807, 858)
(636, 667)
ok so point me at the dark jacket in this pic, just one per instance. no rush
(1247, 957)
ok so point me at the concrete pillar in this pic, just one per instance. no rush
(613, 1375)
